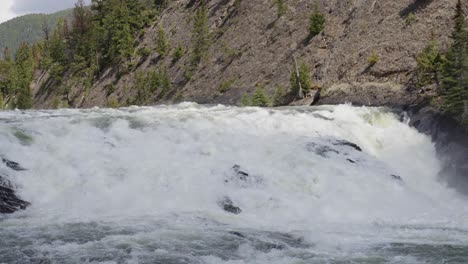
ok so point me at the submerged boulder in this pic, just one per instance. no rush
(320, 149)
(238, 177)
(347, 144)
(13, 165)
(227, 205)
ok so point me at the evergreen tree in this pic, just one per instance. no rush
(455, 70)
(316, 21)
(117, 24)
(278, 97)
(259, 98)
(200, 35)
(24, 67)
(8, 75)
(430, 62)
(57, 45)
(304, 79)
(7, 54)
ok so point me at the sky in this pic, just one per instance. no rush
(13, 8)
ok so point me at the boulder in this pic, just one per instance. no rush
(12, 165)
(347, 144)
(227, 205)
(9, 202)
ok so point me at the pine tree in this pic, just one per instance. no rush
(6, 54)
(316, 21)
(430, 62)
(200, 36)
(117, 23)
(259, 98)
(304, 79)
(455, 70)
(57, 45)
(24, 67)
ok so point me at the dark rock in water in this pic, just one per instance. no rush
(237, 234)
(9, 202)
(267, 246)
(347, 144)
(240, 174)
(321, 150)
(451, 142)
(351, 161)
(396, 177)
(242, 179)
(13, 165)
(229, 206)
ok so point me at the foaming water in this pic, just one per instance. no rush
(331, 184)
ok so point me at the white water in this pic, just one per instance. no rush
(151, 179)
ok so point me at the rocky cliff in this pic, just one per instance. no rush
(251, 45)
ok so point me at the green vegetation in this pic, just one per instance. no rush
(144, 51)
(449, 71)
(410, 19)
(455, 70)
(316, 21)
(259, 98)
(162, 45)
(147, 84)
(373, 59)
(304, 79)
(29, 28)
(112, 102)
(281, 7)
(278, 97)
(225, 85)
(161, 4)
(179, 52)
(430, 62)
(200, 36)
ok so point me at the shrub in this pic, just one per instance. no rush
(162, 45)
(245, 101)
(304, 79)
(430, 62)
(179, 52)
(110, 88)
(225, 86)
(373, 59)
(316, 21)
(112, 102)
(281, 7)
(144, 51)
(410, 19)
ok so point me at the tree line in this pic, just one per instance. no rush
(95, 38)
(448, 70)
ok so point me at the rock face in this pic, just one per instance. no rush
(250, 45)
(451, 142)
(9, 201)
